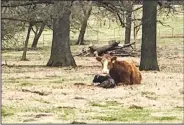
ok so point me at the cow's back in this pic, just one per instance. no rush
(125, 72)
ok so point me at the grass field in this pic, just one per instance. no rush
(34, 93)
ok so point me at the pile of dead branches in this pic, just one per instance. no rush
(113, 48)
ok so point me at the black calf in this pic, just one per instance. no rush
(104, 81)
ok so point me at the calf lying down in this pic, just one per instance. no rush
(104, 81)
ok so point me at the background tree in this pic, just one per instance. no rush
(129, 6)
(136, 23)
(24, 14)
(10, 28)
(26, 43)
(123, 11)
(60, 51)
(148, 47)
(37, 32)
(87, 8)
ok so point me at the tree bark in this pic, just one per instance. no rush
(128, 24)
(148, 47)
(26, 43)
(37, 36)
(80, 40)
(60, 51)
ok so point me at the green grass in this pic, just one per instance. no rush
(65, 113)
(37, 109)
(29, 120)
(179, 108)
(105, 118)
(165, 118)
(58, 81)
(14, 114)
(7, 111)
(112, 103)
(105, 104)
(124, 115)
(42, 101)
(26, 84)
(112, 111)
(13, 109)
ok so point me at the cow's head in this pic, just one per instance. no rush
(107, 62)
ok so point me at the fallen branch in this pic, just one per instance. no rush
(127, 45)
(112, 49)
(101, 50)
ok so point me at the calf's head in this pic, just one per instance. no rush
(107, 62)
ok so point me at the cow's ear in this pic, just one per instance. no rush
(113, 59)
(98, 58)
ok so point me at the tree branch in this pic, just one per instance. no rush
(163, 24)
(137, 8)
(33, 30)
(122, 23)
(29, 3)
(22, 20)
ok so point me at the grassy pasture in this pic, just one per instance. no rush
(34, 93)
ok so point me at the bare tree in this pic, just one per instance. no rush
(37, 33)
(119, 8)
(26, 43)
(22, 13)
(87, 13)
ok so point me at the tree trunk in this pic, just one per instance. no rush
(37, 36)
(148, 47)
(26, 43)
(60, 51)
(80, 40)
(128, 24)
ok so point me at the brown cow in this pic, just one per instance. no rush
(121, 71)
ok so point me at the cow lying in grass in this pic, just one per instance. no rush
(121, 71)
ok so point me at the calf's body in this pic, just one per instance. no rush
(104, 81)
